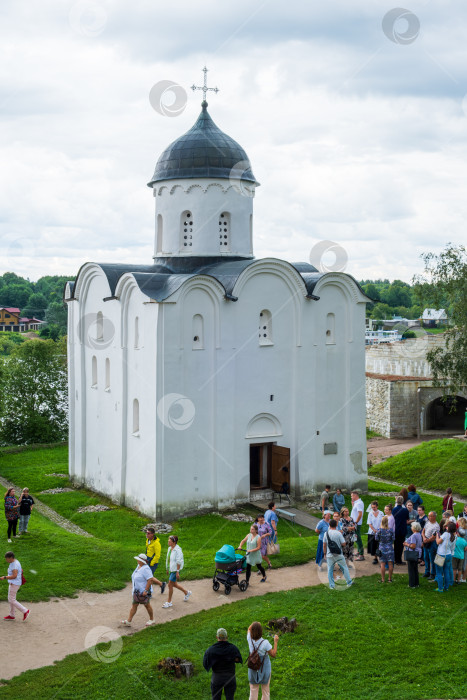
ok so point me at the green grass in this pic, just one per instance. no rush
(433, 465)
(371, 434)
(117, 534)
(376, 635)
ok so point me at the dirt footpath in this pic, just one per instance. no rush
(65, 626)
(381, 448)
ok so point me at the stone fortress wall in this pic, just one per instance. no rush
(399, 386)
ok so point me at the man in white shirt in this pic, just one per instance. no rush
(357, 516)
(333, 558)
(429, 545)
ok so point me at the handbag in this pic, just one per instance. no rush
(440, 559)
(141, 597)
(378, 553)
(272, 549)
(410, 555)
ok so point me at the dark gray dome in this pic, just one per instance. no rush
(204, 151)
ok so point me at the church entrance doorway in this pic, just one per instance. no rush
(270, 467)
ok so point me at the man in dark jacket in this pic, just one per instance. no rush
(221, 657)
(401, 518)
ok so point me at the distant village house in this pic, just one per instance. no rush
(11, 320)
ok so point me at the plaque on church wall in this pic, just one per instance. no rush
(330, 448)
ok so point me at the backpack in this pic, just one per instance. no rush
(254, 660)
(334, 547)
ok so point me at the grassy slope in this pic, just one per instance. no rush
(432, 465)
(117, 532)
(381, 660)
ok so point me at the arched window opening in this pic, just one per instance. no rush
(330, 329)
(186, 229)
(136, 332)
(160, 227)
(198, 332)
(265, 328)
(224, 231)
(135, 417)
(94, 371)
(107, 374)
(100, 326)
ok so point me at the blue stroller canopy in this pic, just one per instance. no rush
(226, 555)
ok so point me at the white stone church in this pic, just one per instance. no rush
(206, 376)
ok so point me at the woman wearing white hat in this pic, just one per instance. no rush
(142, 580)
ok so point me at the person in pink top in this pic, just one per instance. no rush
(15, 580)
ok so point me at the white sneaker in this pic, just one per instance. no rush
(125, 623)
(9, 541)
(463, 580)
(167, 605)
(150, 622)
(187, 596)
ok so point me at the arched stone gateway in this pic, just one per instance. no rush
(445, 415)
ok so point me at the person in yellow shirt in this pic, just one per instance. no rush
(153, 553)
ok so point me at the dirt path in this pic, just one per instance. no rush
(381, 448)
(49, 512)
(65, 626)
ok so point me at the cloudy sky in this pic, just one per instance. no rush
(353, 114)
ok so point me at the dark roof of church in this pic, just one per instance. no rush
(161, 280)
(204, 151)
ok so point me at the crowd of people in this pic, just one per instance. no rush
(262, 536)
(404, 535)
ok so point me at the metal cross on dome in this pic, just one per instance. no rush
(204, 88)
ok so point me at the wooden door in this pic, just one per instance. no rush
(280, 467)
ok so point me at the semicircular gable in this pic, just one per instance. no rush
(273, 266)
(263, 425)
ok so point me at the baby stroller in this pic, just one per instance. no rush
(229, 567)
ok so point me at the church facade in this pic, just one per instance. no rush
(207, 376)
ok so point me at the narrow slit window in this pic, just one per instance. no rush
(94, 371)
(186, 231)
(100, 326)
(160, 228)
(330, 329)
(224, 232)
(135, 417)
(198, 332)
(265, 328)
(136, 332)
(107, 374)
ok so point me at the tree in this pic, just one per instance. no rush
(36, 306)
(445, 279)
(56, 315)
(381, 311)
(371, 291)
(34, 389)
